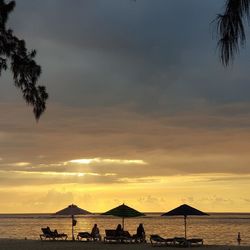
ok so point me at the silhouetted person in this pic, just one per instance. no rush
(140, 233)
(238, 238)
(95, 233)
(119, 230)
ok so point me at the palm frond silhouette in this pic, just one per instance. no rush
(230, 29)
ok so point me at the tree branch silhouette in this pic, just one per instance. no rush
(22, 64)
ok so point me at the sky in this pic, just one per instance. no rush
(140, 110)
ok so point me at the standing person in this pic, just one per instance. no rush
(140, 233)
(238, 238)
(95, 233)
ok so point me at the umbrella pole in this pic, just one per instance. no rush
(122, 223)
(185, 225)
(73, 237)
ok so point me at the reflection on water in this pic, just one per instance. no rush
(214, 229)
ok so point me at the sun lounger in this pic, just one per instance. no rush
(195, 242)
(86, 236)
(139, 239)
(157, 240)
(111, 237)
(52, 235)
(181, 241)
(127, 238)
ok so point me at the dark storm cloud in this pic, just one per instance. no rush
(157, 56)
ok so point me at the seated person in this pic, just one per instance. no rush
(54, 233)
(95, 233)
(140, 233)
(119, 230)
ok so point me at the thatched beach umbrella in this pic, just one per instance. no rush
(72, 210)
(124, 212)
(185, 210)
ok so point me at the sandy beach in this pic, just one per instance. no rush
(6, 244)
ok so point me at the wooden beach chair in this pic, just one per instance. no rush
(195, 242)
(111, 237)
(127, 238)
(139, 239)
(86, 236)
(157, 240)
(52, 235)
(181, 242)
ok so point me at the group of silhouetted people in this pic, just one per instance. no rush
(139, 236)
(140, 232)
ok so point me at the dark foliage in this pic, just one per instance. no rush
(22, 64)
(230, 29)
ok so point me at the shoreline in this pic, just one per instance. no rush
(19, 244)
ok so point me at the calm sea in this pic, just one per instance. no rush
(220, 229)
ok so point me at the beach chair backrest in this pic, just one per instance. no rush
(126, 234)
(46, 231)
(110, 232)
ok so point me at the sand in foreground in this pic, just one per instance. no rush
(67, 245)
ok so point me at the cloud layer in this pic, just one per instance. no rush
(139, 104)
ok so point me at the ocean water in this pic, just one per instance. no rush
(218, 228)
